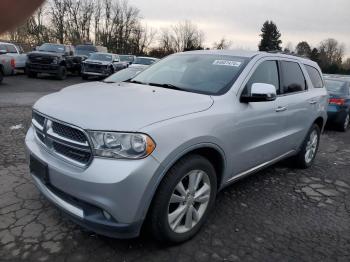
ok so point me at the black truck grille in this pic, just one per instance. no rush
(41, 59)
(94, 68)
(63, 140)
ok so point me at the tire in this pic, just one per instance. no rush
(1, 76)
(302, 160)
(345, 124)
(111, 71)
(84, 77)
(162, 212)
(31, 74)
(62, 73)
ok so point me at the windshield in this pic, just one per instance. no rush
(123, 75)
(51, 48)
(85, 50)
(144, 61)
(336, 87)
(200, 73)
(127, 58)
(101, 57)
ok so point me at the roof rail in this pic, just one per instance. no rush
(287, 53)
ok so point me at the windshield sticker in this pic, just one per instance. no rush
(227, 63)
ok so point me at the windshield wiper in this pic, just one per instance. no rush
(135, 82)
(169, 86)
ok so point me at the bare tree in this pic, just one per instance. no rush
(331, 53)
(187, 36)
(166, 43)
(223, 43)
(142, 39)
(80, 14)
(58, 13)
(303, 49)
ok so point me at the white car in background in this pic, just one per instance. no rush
(16, 52)
(7, 65)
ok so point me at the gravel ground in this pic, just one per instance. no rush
(279, 214)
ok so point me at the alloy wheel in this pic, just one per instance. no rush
(347, 122)
(311, 146)
(189, 201)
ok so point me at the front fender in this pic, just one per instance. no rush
(168, 162)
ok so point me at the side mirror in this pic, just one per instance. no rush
(3, 52)
(260, 92)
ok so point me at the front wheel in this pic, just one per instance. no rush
(184, 199)
(344, 126)
(31, 74)
(62, 73)
(309, 148)
(1, 76)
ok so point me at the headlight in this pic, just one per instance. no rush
(121, 145)
(55, 61)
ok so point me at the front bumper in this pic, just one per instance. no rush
(336, 114)
(42, 68)
(95, 73)
(123, 188)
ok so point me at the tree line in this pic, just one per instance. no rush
(119, 26)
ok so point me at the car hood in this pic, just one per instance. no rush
(40, 53)
(119, 107)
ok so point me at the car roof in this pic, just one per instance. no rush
(6, 43)
(103, 53)
(340, 79)
(147, 57)
(251, 54)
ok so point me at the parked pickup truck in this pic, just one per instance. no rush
(16, 52)
(7, 65)
(55, 59)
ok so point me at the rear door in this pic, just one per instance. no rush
(297, 100)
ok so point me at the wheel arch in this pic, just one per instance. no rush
(210, 151)
(320, 122)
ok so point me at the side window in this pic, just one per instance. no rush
(315, 76)
(11, 49)
(293, 77)
(266, 73)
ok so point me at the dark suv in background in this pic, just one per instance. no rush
(54, 59)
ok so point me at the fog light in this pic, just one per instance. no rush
(106, 215)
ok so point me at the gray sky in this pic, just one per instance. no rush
(241, 20)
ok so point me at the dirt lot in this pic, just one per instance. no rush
(279, 214)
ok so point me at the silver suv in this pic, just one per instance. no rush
(159, 147)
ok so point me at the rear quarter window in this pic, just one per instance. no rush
(315, 76)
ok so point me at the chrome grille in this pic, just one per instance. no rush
(69, 132)
(63, 140)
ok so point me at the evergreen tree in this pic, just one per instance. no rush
(270, 37)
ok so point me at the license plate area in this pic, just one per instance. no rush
(39, 169)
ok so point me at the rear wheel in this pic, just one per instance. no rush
(183, 200)
(62, 73)
(84, 77)
(1, 75)
(344, 126)
(309, 148)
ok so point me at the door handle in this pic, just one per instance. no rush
(281, 109)
(313, 102)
